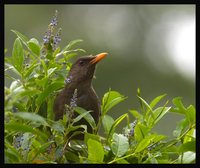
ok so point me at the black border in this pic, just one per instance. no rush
(109, 2)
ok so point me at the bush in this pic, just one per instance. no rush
(32, 136)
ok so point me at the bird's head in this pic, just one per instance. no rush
(83, 69)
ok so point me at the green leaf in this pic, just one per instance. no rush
(71, 44)
(188, 157)
(188, 146)
(95, 151)
(88, 136)
(42, 149)
(25, 128)
(29, 71)
(156, 100)
(143, 144)
(69, 56)
(50, 71)
(190, 135)
(50, 89)
(156, 138)
(18, 55)
(10, 157)
(73, 128)
(16, 88)
(57, 126)
(122, 161)
(56, 52)
(34, 46)
(107, 122)
(50, 111)
(136, 114)
(72, 156)
(140, 131)
(42, 82)
(14, 85)
(31, 92)
(12, 154)
(180, 127)
(23, 38)
(178, 103)
(79, 117)
(31, 117)
(12, 68)
(71, 53)
(149, 109)
(179, 106)
(191, 114)
(44, 66)
(88, 117)
(119, 144)
(110, 99)
(117, 121)
(138, 92)
(158, 114)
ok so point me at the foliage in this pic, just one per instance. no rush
(32, 136)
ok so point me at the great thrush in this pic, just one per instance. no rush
(80, 79)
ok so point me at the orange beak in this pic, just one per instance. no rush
(98, 58)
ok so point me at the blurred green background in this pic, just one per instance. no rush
(150, 46)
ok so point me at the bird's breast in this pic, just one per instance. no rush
(89, 100)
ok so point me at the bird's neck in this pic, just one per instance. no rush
(83, 85)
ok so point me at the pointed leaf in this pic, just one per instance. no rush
(107, 122)
(79, 117)
(42, 149)
(23, 38)
(180, 127)
(71, 44)
(18, 55)
(136, 114)
(149, 109)
(191, 114)
(88, 117)
(50, 71)
(143, 144)
(34, 46)
(117, 121)
(158, 114)
(25, 128)
(140, 131)
(12, 68)
(110, 99)
(156, 100)
(57, 126)
(31, 117)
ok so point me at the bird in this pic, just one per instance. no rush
(79, 79)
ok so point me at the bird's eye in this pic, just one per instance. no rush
(81, 63)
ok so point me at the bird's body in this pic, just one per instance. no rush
(86, 98)
(80, 79)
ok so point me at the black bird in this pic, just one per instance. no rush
(80, 79)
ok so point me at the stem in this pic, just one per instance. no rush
(180, 137)
(121, 158)
(193, 126)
